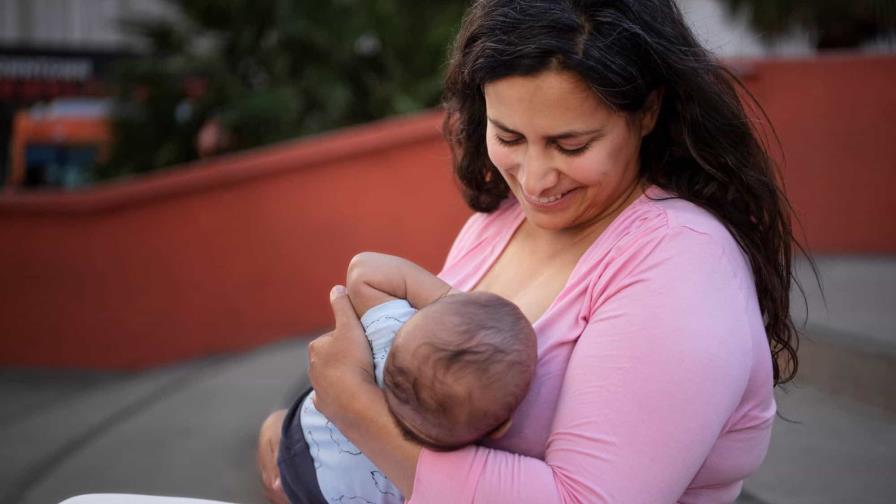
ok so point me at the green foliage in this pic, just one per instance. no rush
(273, 69)
(834, 23)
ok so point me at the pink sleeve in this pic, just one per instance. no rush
(652, 380)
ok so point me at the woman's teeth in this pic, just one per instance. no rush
(545, 201)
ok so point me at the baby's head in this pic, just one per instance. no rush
(458, 369)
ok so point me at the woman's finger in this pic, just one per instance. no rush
(343, 311)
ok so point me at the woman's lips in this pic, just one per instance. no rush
(550, 202)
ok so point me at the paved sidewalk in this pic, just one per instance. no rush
(189, 430)
(834, 450)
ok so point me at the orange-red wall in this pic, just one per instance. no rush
(224, 256)
(240, 251)
(836, 118)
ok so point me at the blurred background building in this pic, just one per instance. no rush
(251, 74)
(54, 50)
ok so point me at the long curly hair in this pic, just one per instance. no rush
(705, 148)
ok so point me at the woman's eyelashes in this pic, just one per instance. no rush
(567, 151)
(505, 141)
(573, 151)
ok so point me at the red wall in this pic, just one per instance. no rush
(240, 251)
(836, 119)
(224, 256)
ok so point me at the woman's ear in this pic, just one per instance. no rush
(500, 430)
(651, 111)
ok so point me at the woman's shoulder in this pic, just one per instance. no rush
(662, 215)
(660, 228)
(690, 224)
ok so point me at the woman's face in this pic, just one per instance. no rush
(569, 159)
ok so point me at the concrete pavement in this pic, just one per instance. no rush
(188, 430)
(833, 450)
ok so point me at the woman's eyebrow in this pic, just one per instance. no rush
(559, 136)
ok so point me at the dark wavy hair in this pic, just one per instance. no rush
(705, 148)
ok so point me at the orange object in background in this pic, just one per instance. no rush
(57, 144)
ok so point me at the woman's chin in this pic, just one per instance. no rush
(551, 222)
(553, 217)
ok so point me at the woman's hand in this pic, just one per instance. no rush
(340, 364)
(268, 445)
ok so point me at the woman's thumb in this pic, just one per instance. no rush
(343, 311)
(337, 291)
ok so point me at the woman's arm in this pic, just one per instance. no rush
(648, 388)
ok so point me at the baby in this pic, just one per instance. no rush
(458, 366)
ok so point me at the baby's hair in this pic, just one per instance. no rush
(476, 340)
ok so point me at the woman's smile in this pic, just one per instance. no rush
(554, 202)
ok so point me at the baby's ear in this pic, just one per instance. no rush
(500, 430)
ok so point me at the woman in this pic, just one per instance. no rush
(628, 207)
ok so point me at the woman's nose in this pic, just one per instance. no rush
(537, 173)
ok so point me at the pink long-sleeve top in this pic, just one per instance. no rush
(654, 380)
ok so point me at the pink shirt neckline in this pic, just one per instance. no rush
(500, 244)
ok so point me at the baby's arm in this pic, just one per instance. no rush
(376, 278)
